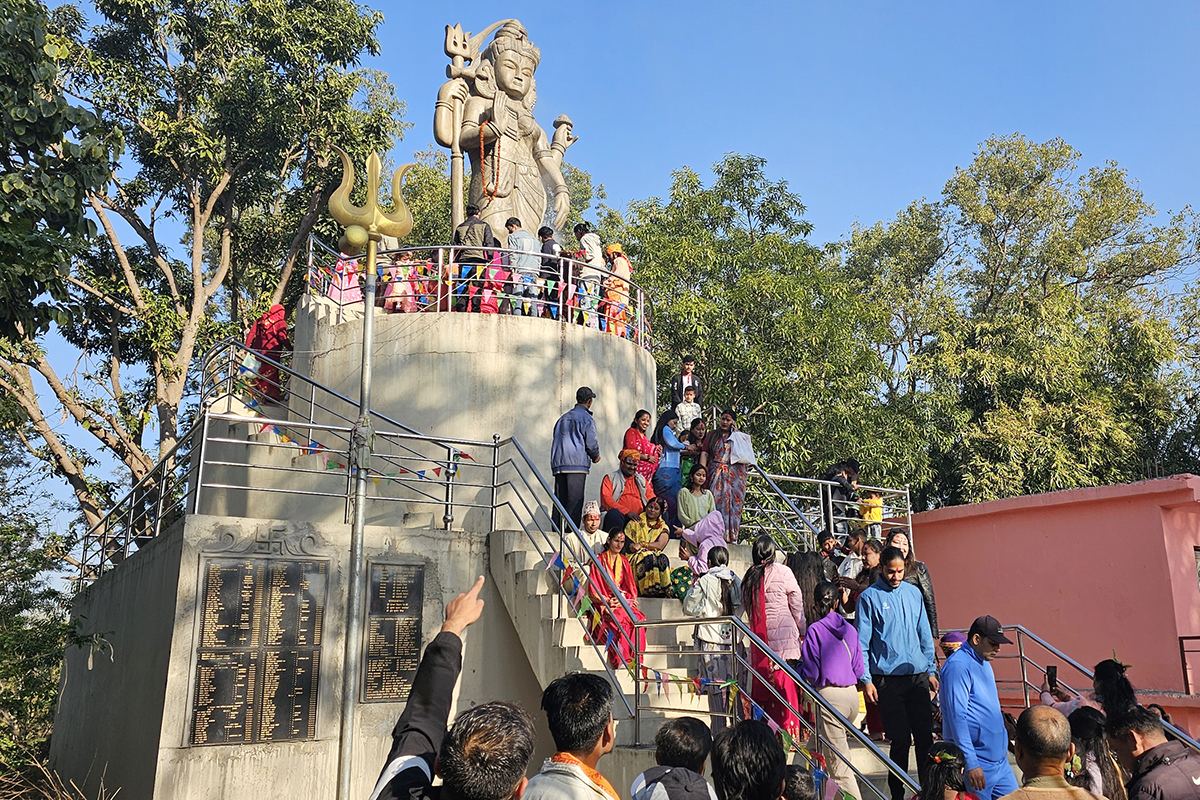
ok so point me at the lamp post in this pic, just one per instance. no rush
(365, 226)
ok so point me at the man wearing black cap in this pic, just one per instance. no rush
(573, 450)
(971, 716)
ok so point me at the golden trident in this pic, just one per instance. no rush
(367, 224)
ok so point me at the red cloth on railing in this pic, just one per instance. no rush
(614, 621)
(268, 336)
(767, 672)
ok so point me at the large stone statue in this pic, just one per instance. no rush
(486, 111)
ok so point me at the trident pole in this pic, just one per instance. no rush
(361, 441)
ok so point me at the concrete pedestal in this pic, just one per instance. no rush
(126, 721)
(470, 376)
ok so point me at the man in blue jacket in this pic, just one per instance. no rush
(971, 716)
(573, 450)
(898, 666)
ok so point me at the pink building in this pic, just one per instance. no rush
(1091, 571)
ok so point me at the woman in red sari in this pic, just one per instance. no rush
(607, 615)
(771, 597)
(635, 439)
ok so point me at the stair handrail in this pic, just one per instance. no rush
(810, 539)
(827, 707)
(584, 546)
(808, 690)
(1182, 735)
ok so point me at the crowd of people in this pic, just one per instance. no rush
(1108, 746)
(523, 275)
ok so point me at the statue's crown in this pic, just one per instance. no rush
(513, 36)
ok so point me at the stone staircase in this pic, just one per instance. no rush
(555, 644)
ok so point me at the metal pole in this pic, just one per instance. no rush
(495, 476)
(200, 464)
(637, 691)
(1021, 656)
(448, 515)
(360, 461)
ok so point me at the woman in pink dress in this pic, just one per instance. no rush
(635, 439)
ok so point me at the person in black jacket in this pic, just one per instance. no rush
(485, 755)
(684, 379)
(844, 476)
(916, 573)
(1161, 769)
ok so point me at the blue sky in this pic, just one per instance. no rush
(862, 107)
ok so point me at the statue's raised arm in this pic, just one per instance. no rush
(485, 110)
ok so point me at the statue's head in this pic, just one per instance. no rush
(508, 64)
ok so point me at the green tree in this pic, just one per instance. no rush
(34, 625)
(777, 330)
(230, 111)
(1024, 330)
(53, 154)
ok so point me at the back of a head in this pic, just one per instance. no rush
(718, 557)
(800, 784)
(825, 596)
(486, 753)
(748, 763)
(1086, 723)
(1044, 733)
(944, 770)
(1137, 719)
(764, 550)
(512, 222)
(578, 707)
(546, 232)
(683, 742)
(1113, 689)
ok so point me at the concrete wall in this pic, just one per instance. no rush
(129, 719)
(470, 376)
(1089, 570)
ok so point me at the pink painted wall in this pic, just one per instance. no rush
(1089, 570)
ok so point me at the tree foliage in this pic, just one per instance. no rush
(1011, 337)
(34, 625)
(229, 111)
(53, 154)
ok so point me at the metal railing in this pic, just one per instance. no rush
(807, 505)
(436, 279)
(767, 509)
(268, 434)
(822, 712)
(1020, 675)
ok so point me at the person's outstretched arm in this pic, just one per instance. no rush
(419, 732)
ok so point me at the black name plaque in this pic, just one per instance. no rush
(392, 646)
(258, 663)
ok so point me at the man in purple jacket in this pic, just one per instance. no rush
(831, 661)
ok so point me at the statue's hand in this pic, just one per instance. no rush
(562, 207)
(455, 90)
(562, 133)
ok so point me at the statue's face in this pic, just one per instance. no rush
(514, 74)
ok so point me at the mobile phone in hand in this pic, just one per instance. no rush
(1052, 677)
